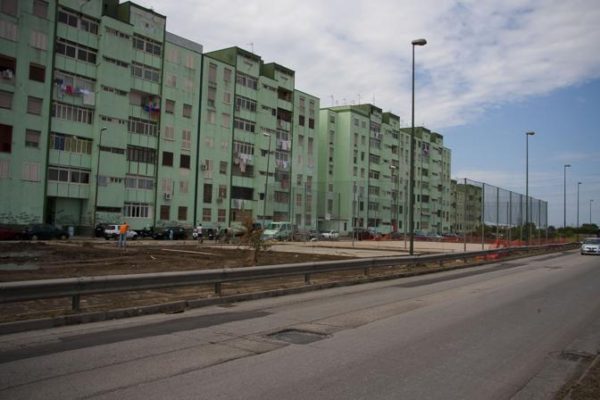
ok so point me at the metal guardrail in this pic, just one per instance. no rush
(76, 287)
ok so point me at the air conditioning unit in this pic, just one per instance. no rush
(168, 196)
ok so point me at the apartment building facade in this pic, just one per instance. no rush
(364, 167)
(92, 131)
(257, 154)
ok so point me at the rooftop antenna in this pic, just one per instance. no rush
(251, 44)
(332, 100)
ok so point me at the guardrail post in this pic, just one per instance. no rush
(307, 279)
(75, 299)
(218, 291)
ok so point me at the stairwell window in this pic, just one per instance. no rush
(34, 105)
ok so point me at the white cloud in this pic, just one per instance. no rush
(480, 53)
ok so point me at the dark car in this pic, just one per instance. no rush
(363, 234)
(99, 230)
(170, 232)
(44, 231)
(8, 233)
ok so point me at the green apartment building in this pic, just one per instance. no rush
(257, 154)
(364, 165)
(105, 116)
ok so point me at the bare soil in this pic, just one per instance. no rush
(36, 260)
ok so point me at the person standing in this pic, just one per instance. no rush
(123, 228)
(200, 233)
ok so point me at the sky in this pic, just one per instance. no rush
(491, 71)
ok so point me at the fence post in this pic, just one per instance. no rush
(75, 302)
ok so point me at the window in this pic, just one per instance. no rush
(212, 96)
(222, 191)
(165, 212)
(70, 143)
(39, 40)
(6, 99)
(142, 126)
(212, 73)
(186, 139)
(244, 125)
(247, 81)
(72, 113)
(5, 138)
(32, 138)
(207, 193)
(8, 30)
(206, 214)
(9, 7)
(37, 72)
(169, 133)
(4, 168)
(77, 21)
(211, 116)
(167, 159)
(141, 154)
(184, 161)
(136, 210)
(182, 213)
(227, 75)
(301, 120)
(69, 175)
(221, 216)
(223, 167)
(147, 45)
(242, 103)
(187, 111)
(311, 123)
(169, 106)
(171, 80)
(34, 105)
(184, 186)
(145, 72)
(75, 50)
(31, 171)
(225, 120)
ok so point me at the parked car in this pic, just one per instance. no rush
(7, 233)
(45, 232)
(330, 235)
(310, 235)
(112, 232)
(170, 232)
(591, 246)
(363, 234)
(99, 230)
(279, 231)
(145, 233)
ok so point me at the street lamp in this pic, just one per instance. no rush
(411, 199)
(565, 194)
(527, 134)
(266, 179)
(578, 184)
(397, 199)
(102, 130)
(591, 200)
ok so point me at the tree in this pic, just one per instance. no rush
(252, 238)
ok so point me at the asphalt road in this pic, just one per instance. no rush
(517, 329)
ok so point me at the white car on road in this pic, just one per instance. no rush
(330, 235)
(591, 246)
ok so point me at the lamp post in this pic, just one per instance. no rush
(527, 134)
(591, 201)
(266, 179)
(565, 194)
(578, 184)
(102, 130)
(397, 197)
(411, 184)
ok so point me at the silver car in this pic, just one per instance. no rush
(591, 246)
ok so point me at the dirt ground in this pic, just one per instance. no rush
(38, 260)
